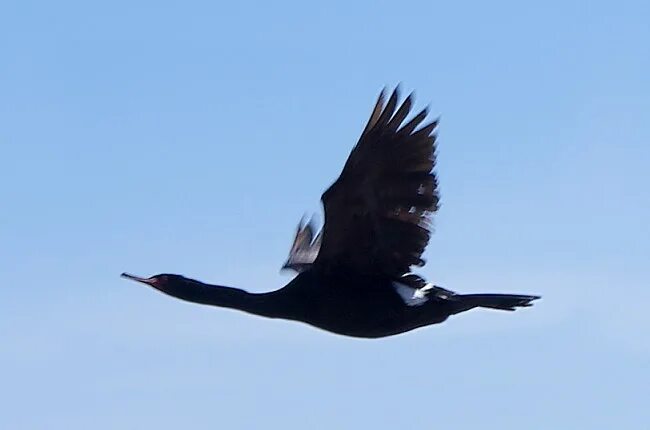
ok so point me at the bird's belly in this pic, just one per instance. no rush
(360, 307)
(365, 316)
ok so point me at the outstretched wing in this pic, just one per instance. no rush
(377, 213)
(305, 248)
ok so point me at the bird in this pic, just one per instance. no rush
(355, 277)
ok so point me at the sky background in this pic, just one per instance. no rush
(190, 137)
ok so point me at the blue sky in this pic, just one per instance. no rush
(189, 137)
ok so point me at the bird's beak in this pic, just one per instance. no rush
(147, 281)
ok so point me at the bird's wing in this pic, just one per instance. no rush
(305, 247)
(377, 213)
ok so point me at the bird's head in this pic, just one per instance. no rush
(163, 282)
(192, 290)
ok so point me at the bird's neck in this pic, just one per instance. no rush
(272, 304)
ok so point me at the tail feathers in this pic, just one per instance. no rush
(505, 302)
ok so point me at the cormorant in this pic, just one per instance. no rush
(354, 277)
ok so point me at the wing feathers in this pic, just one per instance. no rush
(376, 112)
(413, 123)
(377, 213)
(305, 247)
(388, 110)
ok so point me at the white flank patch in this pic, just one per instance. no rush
(412, 297)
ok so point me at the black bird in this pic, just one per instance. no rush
(354, 278)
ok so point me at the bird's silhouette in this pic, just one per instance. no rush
(354, 276)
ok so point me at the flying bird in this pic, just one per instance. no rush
(354, 277)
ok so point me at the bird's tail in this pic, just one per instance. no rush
(505, 302)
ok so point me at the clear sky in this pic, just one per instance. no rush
(190, 137)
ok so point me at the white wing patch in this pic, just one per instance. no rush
(413, 296)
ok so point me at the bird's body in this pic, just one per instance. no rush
(354, 276)
(358, 306)
(340, 303)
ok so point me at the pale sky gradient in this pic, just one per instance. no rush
(190, 137)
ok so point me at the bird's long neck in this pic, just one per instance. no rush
(272, 304)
